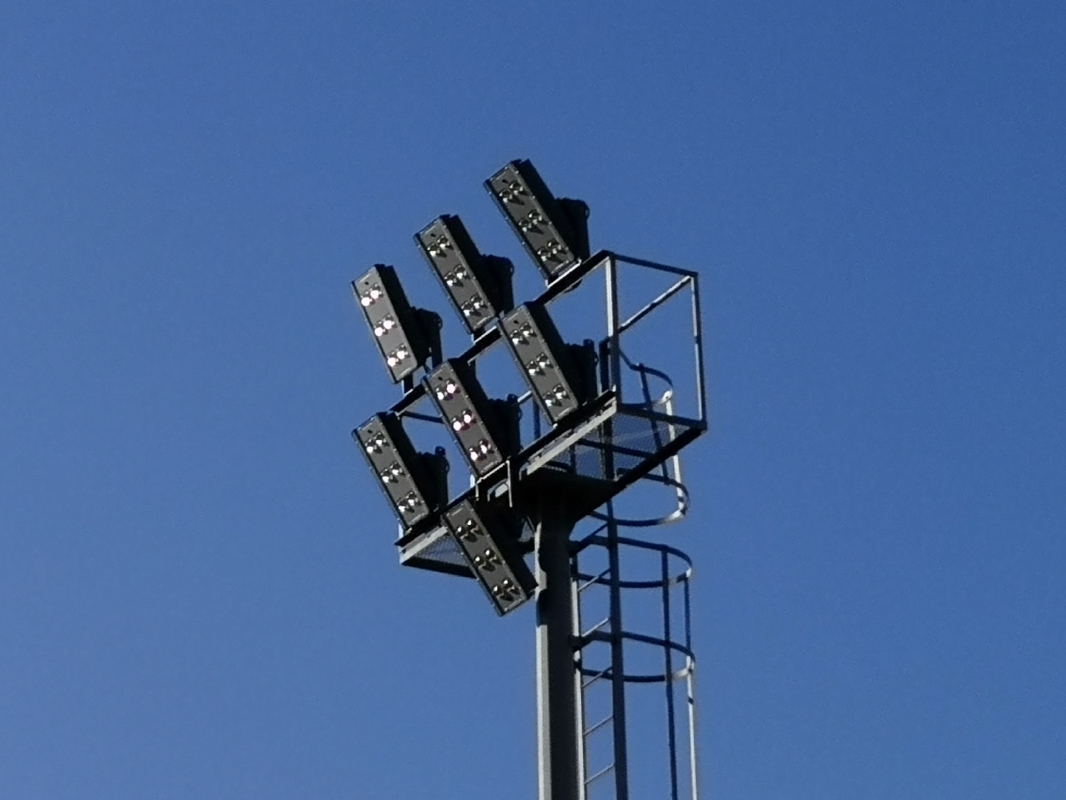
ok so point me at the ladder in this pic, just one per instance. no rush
(616, 762)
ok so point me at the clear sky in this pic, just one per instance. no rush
(198, 593)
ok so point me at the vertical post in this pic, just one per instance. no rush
(668, 673)
(614, 365)
(690, 690)
(558, 740)
(618, 681)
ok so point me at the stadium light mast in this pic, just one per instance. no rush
(586, 422)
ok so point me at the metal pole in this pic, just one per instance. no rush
(558, 741)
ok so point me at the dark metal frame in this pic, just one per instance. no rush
(419, 546)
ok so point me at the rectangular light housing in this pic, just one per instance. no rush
(554, 231)
(478, 286)
(489, 542)
(558, 374)
(414, 483)
(480, 426)
(395, 324)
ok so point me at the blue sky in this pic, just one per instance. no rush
(198, 593)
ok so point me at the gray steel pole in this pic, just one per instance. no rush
(558, 739)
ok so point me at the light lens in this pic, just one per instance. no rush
(531, 221)
(386, 324)
(512, 192)
(438, 247)
(371, 296)
(505, 591)
(523, 335)
(408, 503)
(487, 561)
(550, 251)
(457, 277)
(392, 473)
(447, 392)
(557, 396)
(397, 356)
(474, 307)
(463, 421)
(469, 531)
(539, 365)
(483, 449)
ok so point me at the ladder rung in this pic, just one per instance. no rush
(599, 774)
(598, 725)
(592, 581)
(602, 673)
(596, 627)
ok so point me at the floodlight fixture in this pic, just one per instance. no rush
(479, 286)
(489, 541)
(485, 430)
(406, 336)
(554, 231)
(562, 376)
(414, 483)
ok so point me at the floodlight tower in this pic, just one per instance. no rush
(545, 467)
